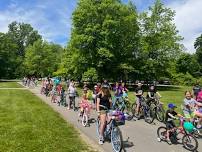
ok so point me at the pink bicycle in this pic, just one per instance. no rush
(84, 113)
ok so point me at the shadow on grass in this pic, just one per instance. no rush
(169, 88)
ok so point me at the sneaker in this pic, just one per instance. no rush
(169, 142)
(101, 140)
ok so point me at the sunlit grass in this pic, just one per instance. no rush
(28, 124)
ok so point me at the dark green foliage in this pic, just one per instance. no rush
(187, 63)
(8, 57)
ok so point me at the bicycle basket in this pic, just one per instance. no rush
(188, 126)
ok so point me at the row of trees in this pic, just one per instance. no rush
(109, 40)
(23, 52)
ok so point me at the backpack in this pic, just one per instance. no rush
(199, 97)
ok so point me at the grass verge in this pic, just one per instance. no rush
(9, 85)
(28, 124)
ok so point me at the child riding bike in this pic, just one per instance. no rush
(139, 94)
(192, 108)
(169, 119)
(83, 104)
(153, 93)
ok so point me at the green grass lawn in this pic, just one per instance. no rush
(9, 85)
(27, 124)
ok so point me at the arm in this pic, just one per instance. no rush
(198, 104)
(171, 116)
(98, 104)
(149, 94)
(158, 94)
(110, 100)
(179, 115)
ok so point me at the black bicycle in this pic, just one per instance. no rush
(144, 111)
(157, 109)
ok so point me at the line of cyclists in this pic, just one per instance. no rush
(103, 101)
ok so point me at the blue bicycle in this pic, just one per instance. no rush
(112, 132)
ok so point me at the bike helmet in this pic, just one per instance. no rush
(171, 105)
(188, 126)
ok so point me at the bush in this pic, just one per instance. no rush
(90, 75)
(183, 79)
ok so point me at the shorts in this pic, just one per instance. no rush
(102, 112)
(170, 125)
(188, 114)
(138, 100)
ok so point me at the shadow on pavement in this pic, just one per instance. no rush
(127, 144)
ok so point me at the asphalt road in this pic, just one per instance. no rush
(138, 136)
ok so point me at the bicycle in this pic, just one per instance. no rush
(83, 116)
(112, 131)
(123, 105)
(144, 111)
(187, 136)
(198, 129)
(62, 100)
(157, 109)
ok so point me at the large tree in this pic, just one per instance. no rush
(42, 58)
(22, 35)
(104, 38)
(198, 47)
(7, 56)
(160, 41)
(187, 63)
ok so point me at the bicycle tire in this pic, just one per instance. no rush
(187, 138)
(149, 116)
(84, 120)
(161, 133)
(116, 139)
(98, 127)
(160, 114)
(133, 109)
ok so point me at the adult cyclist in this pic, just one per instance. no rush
(103, 100)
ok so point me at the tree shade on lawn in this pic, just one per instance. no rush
(28, 124)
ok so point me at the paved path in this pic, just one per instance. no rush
(138, 136)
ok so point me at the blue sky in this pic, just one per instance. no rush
(52, 18)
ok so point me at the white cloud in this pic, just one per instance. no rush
(188, 21)
(52, 20)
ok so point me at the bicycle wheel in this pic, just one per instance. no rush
(197, 133)
(160, 113)
(84, 120)
(189, 142)
(133, 109)
(128, 110)
(149, 115)
(161, 133)
(98, 127)
(116, 139)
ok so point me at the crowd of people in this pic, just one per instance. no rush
(102, 100)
